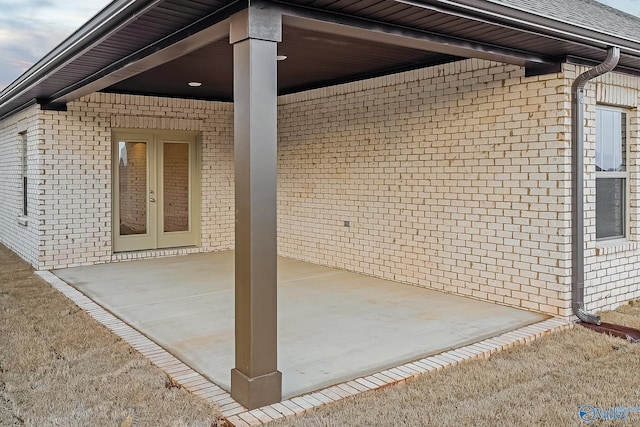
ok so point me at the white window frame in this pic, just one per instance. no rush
(24, 157)
(618, 174)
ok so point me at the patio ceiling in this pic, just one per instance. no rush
(155, 47)
(322, 58)
(314, 59)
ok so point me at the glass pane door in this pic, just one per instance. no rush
(134, 209)
(175, 180)
(132, 188)
(179, 190)
(156, 190)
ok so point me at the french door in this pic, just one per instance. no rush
(156, 201)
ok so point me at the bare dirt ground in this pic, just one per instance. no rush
(60, 367)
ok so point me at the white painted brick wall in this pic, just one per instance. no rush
(76, 208)
(612, 269)
(454, 177)
(21, 238)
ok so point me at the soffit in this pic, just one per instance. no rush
(318, 59)
(314, 58)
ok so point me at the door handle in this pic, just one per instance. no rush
(152, 199)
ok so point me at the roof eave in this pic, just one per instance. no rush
(122, 12)
(529, 20)
(108, 20)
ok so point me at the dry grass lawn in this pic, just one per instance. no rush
(59, 367)
(542, 384)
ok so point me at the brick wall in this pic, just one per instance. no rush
(76, 149)
(19, 232)
(612, 269)
(454, 177)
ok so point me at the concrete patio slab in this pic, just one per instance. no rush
(334, 325)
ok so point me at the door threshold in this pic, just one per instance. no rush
(155, 253)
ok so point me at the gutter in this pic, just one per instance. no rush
(577, 184)
(312, 19)
(113, 17)
(495, 12)
(199, 33)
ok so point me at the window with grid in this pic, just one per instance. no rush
(611, 173)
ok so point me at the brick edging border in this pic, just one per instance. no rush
(238, 416)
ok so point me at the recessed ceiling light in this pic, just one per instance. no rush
(195, 84)
(281, 57)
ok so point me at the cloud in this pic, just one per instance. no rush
(12, 67)
(69, 14)
(22, 45)
(23, 8)
(29, 29)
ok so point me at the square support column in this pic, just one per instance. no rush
(255, 380)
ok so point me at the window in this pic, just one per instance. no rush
(611, 173)
(23, 170)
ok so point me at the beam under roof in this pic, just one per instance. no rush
(215, 27)
(141, 61)
(51, 79)
(330, 22)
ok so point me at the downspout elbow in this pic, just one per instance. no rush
(577, 183)
(585, 316)
(610, 62)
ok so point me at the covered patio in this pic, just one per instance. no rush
(461, 171)
(333, 325)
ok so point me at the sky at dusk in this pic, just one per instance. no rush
(29, 29)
